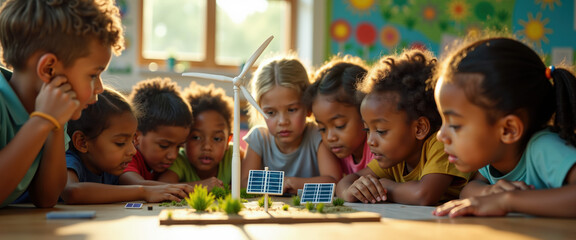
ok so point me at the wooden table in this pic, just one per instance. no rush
(398, 221)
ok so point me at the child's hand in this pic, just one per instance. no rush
(490, 205)
(168, 192)
(211, 182)
(368, 189)
(506, 186)
(289, 186)
(57, 99)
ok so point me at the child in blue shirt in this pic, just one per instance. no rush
(57, 50)
(497, 100)
(100, 149)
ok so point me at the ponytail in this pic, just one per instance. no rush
(565, 119)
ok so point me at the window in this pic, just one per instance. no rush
(214, 33)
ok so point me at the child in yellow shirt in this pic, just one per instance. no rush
(400, 116)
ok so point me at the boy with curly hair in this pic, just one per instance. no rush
(206, 158)
(164, 121)
(56, 51)
(409, 165)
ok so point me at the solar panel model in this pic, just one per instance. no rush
(317, 193)
(265, 182)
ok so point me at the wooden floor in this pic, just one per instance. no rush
(113, 221)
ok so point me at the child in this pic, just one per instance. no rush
(207, 156)
(336, 107)
(164, 121)
(401, 118)
(99, 153)
(57, 50)
(287, 143)
(497, 98)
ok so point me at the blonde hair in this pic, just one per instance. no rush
(285, 71)
(62, 27)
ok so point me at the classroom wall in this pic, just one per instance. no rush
(124, 71)
(371, 28)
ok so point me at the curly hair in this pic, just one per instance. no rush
(63, 27)
(96, 117)
(157, 102)
(338, 78)
(205, 98)
(407, 74)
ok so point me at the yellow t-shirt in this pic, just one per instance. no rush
(432, 160)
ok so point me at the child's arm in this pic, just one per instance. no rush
(480, 186)
(252, 161)
(328, 165)
(361, 186)
(427, 191)
(77, 192)
(55, 99)
(557, 202)
(171, 177)
(50, 178)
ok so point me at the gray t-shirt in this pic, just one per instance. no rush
(300, 163)
(84, 175)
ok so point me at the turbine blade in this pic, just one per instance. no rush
(208, 76)
(252, 101)
(254, 56)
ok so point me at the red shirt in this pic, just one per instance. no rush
(139, 166)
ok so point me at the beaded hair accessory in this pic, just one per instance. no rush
(549, 71)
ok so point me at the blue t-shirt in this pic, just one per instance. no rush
(544, 164)
(12, 116)
(84, 175)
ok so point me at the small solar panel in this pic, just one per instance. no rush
(262, 182)
(317, 193)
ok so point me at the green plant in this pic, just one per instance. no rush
(200, 199)
(173, 203)
(309, 206)
(320, 207)
(231, 205)
(338, 202)
(296, 200)
(285, 207)
(244, 194)
(219, 192)
(261, 201)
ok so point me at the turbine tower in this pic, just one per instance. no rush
(237, 82)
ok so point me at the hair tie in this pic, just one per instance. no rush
(549, 71)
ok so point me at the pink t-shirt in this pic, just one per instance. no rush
(349, 166)
(139, 166)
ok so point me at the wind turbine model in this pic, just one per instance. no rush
(237, 81)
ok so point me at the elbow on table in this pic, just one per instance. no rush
(71, 195)
(425, 198)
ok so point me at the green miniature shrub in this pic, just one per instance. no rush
(244, 194)
(231, 205)
(320, 207)
(285, 207)
(296, 200)
(338, 202)
(200, 199)
(309, 206)
(173, 204)
(261, 201)
(219, 193)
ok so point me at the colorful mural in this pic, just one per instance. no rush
(373, 28)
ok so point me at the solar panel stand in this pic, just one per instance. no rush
(266, 196)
